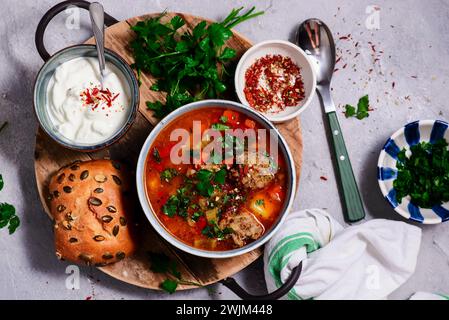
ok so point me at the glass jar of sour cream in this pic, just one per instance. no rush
(79, 108)
(74, 109)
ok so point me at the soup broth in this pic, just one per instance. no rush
(212, 201)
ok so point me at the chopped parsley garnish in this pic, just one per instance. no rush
(156, 155)
(196, 216)
(178, 203)
(220, 127)
(213, 231)
(168, 174)
(424, 176)
(362, 109)
(224, 119)
(220, 176)
(206, 179)
(260, 202)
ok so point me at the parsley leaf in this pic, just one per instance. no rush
(220, 127)
(205, 179)
(204, 184)
(260, 203)
(220, 176)
(178, 203)
(169, 285)
(8, 217)
(362, 109)
(349, 111)
(156, 155)
(168, 174)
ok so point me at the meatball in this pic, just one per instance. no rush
(254, 174)
(244, 227)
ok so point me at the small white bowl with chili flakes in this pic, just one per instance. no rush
(276, 78)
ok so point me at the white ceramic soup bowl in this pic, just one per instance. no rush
(142, 190)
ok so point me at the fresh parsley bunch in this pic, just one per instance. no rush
(188, 66)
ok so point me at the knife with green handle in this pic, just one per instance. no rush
(353, 202)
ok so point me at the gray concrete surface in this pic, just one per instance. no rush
(413, 48)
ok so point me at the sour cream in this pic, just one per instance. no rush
(79, 111)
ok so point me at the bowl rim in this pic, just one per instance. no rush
(151, 216)
(134, 85)
(239, 72)
(381, 183)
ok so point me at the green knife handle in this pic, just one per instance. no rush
(352, 199)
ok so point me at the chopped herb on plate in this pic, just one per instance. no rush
(424, 174)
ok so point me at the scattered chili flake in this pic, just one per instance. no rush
(94, 97)
(323, 178)
(393, 84)
(273, 83)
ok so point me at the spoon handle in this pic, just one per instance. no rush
(352, 199)
(97, 19)
(353, 202)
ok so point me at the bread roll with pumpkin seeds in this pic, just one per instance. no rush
(92, 210)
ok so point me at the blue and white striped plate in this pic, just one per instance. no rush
(411, 134)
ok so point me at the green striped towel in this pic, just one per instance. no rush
(366, 261)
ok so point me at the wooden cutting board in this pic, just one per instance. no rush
(49, 157)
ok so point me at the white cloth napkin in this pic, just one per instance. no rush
(365, 261)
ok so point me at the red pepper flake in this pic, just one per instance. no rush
(344, 67)
(336, 69)
(93, 97)
(273, 83)
(89, 298)
(323, 178)
(393, 84)
(415, 77)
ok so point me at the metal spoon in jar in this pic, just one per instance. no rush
(96, 12)
(315, 38)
